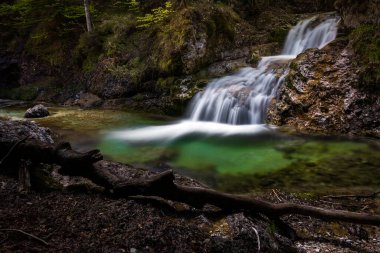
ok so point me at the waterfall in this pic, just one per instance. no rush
(242, 98)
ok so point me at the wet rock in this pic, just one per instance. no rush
(12, 131)
(322, 93)
(356, 13)
(196, 50)
(85, 100)
(106, 84)
(37, 111)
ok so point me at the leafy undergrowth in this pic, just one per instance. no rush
(365, 40)
(135, 43)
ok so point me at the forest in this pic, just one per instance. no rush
(190, 126)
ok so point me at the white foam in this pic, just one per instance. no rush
(243, 98)
(172, 132)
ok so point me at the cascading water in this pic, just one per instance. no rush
(242, 98)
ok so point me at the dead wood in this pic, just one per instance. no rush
(162, 185)
(27, 234)
(39, 152)
(24, 177)
(367, 196)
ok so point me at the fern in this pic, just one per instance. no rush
(159, 14)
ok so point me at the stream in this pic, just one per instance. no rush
(223, 141)
(235, 159)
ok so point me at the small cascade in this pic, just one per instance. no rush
(242, 98)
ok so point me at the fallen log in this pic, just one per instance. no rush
(40, 152)
(89, 165)
(163, 185)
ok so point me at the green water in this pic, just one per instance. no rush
(83, 128)
(234, 164)
(291, 163)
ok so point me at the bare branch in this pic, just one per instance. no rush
(25, 233)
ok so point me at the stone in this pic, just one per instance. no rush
(322, 94)
(13, 131)
(37, 111)
(88, 100)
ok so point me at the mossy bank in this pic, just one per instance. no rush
(153, 66)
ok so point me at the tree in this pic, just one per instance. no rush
(88, 16)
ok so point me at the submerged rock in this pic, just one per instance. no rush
(37, 111)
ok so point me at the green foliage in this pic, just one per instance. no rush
(172, 39)
(115, 30)
(134, 69)
(23, 14)
(87, 51)
(272, 229)
(278, 35)
(365, 41)
(133, 5)
(48, 27)
(157, 15)
(26, 93)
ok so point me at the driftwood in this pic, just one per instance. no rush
(36, 151)
(162, 185)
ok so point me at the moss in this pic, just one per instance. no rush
(45, 85)
(26, 93)
(139, 97)
(172, 40)
(278, 35)
(114, 31)
(168, 84)
(365, 41)
(46, 42)
(166, 65)
(87, 51)
(210, 27)
(288, 80)
(293, 65)
(255, 58)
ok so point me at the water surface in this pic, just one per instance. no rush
(243, 159)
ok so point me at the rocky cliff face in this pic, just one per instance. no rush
(336, 89)
(356, 13)
(321, 94)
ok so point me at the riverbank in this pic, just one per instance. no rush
(89, 222)
(254, 157)
(73, 214)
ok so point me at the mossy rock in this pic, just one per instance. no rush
(279, 35)
(365, 41)
(26, 93)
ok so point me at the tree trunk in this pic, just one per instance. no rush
(88, 16)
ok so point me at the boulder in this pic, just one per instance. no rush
(13, 131)
(86, 100)
(323, 93)
(37, 111)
